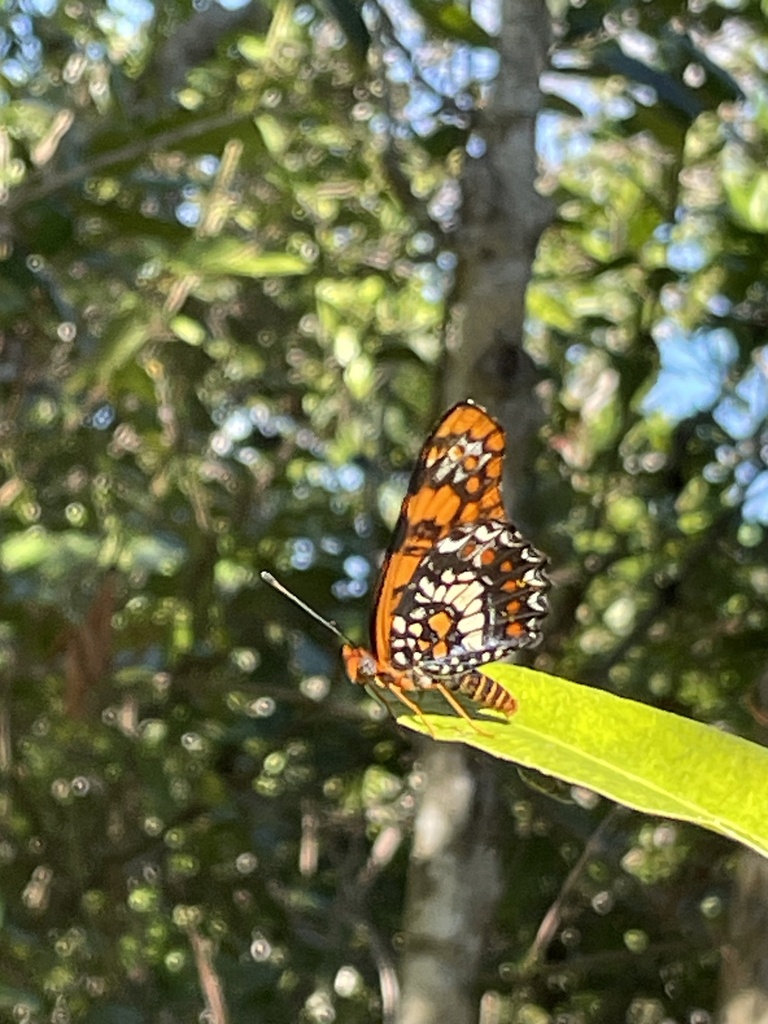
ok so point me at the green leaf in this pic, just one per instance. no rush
(452, 20)
(654, 761)
(188, 329)
(745, 183)
(122, 341)
(254, 48)
(230, 256)
(61, 552)
(273, 133)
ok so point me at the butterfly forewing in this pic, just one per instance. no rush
(457, 479)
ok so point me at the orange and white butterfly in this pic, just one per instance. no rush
(460, 586)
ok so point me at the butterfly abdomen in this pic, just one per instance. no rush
(485, 691)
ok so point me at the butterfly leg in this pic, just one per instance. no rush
(413, 706)
(380, 699)
(458, 708)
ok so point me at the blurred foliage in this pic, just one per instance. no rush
(222, 288)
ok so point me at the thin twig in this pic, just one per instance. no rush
(42, 185)
(553, 917)
(210, 982)
(611, 960)
(389, 986)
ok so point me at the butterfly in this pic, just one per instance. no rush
(459, 586)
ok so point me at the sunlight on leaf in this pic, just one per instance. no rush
(637, 755)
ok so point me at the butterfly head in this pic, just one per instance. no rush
(360, 664)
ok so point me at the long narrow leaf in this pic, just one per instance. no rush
(644, 758)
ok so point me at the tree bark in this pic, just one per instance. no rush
(743, 988)
(454, 880)
(503, 217)
(744, 970)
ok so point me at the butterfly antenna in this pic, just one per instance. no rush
(328, 623)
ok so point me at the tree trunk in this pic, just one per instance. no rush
(743, 989)
(454, 883)
(455, 878)
(744, 969)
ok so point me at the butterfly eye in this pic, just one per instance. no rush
(367, 667)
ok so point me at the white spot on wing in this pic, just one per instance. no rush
(461, 596)
(533, 578)
(450, 545)
(473, 625)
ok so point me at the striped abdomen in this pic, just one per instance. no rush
(485, 691)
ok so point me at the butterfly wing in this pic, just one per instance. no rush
(466, 444)
(478, 595)
(459, 585)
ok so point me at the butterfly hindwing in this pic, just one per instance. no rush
(477, 596)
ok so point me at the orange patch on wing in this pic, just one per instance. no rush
(494, 440)
(440, 506)
(440, 622)
(404, 569)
